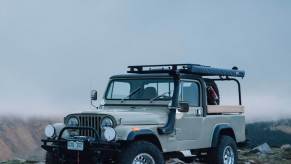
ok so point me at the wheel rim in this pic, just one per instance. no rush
(228, 155)
(143, 158)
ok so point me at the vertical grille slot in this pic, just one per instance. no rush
(81, 123)
(89, 121)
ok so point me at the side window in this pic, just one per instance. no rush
(189, 92)
(118, 90)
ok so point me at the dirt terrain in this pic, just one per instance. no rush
(20, 139)
(278, 156)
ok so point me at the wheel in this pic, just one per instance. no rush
(187, 159)
(141, 152)
(225, 152)
(51, 158)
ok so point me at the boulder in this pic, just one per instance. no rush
(286, 147)
(286, 151)
(263, 149)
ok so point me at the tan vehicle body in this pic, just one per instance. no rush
(191, 131)
(174, 120)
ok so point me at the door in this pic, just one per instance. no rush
(189, 124)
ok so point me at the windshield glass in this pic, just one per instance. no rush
(140, 89)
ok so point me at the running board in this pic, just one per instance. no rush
(187, 153)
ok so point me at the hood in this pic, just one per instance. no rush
(136, 116)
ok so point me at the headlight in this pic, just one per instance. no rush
(106, 122)
(50, 131)
(109, 133)
(73, 121)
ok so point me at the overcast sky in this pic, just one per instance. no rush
(52, 53)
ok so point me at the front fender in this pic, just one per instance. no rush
(145, 133)
(130, 132)
(134, 134)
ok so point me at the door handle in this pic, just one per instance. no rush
(198, 112)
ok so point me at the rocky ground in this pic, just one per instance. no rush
(278, 156)
(20, 139)
(246, 156)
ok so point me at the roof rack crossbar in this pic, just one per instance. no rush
(186, 69)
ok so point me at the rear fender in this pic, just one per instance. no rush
(222, 129)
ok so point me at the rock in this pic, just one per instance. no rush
(250, 162)
(264, 149)
(286, 151)
(286, 147)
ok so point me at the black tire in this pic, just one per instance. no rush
(216, 155)
(51, 158)
(131, 151)
(187, 159)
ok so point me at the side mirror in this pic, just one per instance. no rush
(93, 95)
(184, 107)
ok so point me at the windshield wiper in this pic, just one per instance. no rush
(131, 94)
(163, 94)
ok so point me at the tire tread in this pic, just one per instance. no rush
(131, 150)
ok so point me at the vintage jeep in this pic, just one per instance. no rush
(151, 114)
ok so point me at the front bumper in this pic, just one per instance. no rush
(93, 146)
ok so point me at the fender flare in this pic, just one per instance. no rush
(216, 133)
(133, 134)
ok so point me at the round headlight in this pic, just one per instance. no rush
(73, 121)
(109, 133)
(106, 122)
(50, 131)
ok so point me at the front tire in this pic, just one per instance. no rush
(51, 158)
(225, 152)
(141, 152)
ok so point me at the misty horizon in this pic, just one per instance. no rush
(53, 53)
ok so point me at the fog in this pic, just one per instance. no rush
(52, 53)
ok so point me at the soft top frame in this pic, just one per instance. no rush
(195, 69)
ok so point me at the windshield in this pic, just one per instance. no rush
(140, 89)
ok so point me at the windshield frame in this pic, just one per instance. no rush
(139, 78)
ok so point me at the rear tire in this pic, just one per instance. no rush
(141, 151)
(225, 152)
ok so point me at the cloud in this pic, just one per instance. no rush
(262, 107)
(53, 53)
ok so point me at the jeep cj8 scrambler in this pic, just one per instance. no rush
(151, 114)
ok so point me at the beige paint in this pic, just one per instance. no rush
(212, 109)
(192, 131)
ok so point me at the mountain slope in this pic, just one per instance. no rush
(20, 138)
(275, 133)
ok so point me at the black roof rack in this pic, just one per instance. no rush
(196, 69)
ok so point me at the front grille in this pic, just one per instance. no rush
(89, 120)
